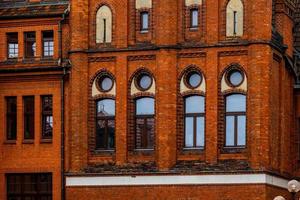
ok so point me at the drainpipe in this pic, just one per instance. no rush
(60, 63)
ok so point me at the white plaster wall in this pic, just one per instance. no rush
(225, 86)
(96, 92)
(234, 5)
(184, 88)
(193, 2)
(103, 13)
(143, 4)
(134, 90)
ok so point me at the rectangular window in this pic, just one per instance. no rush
(30, 44)
(105, 124)
(11, 118)
(12, 45)
(48, 44)
(194, 18)
(144, 21)
(47, 117)
(29, 186)
(235, 121)
(28, 117)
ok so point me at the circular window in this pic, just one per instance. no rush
(235, 78)
(193, 80)
(144, 82)
(105, 83)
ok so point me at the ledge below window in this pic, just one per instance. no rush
(28, 141)
(241, 149)
(103, 152)
(10, 142)
(46, 141)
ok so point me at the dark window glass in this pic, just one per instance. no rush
(194, 18)
(48, 44)
(30, 44)
(144, 21)
(47, 117)
(28, 117)
(105, 124)
(194, 122)
(29, 186)
(144, 119)
(12, 45)
(235, 120)
(11, 118)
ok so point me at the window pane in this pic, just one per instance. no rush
(200, 131)
(241, 130)
(11, 118)
(145, 20)
(236, 103)
(229, 131)
(28, 117)
(145, 106)
(111, 134)
(100, 134)
(189, 132)
(194, 104)
(194, 15)
(106, 108)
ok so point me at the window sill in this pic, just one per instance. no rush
(241, 149)
(194, 29)
(144, 31)
(28, 141)
(10, 142)
(46, 141)
(104, 152)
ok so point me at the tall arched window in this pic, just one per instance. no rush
(194, 121)
(234, 18)
(144, 123)
(105, 124)
(235, 120)
(104, 25)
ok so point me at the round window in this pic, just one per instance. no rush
(193, 80)
(105, 83)
(235, 78)
(144, 82)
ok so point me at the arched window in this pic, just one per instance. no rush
(104, 25)
(235, 120)
(105, 124)
(194, 121)
(234, 18)
(144, 123)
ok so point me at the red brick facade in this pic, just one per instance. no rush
(167, 52)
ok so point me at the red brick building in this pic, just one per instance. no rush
(149, 99)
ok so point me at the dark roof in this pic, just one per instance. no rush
(33, 11)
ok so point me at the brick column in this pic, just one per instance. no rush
(121, 110)
(166, 109)
(211, 141)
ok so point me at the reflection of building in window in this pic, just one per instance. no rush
(47, 117)
(105, 124)
(30, 44)
(48, 44)
(234, 18)
(104, 25)
(12, 45)
(144, 119)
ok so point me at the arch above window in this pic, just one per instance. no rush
(234, 18)
(143, 4)
(193, 2)
(104, 25)
(234, 78)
